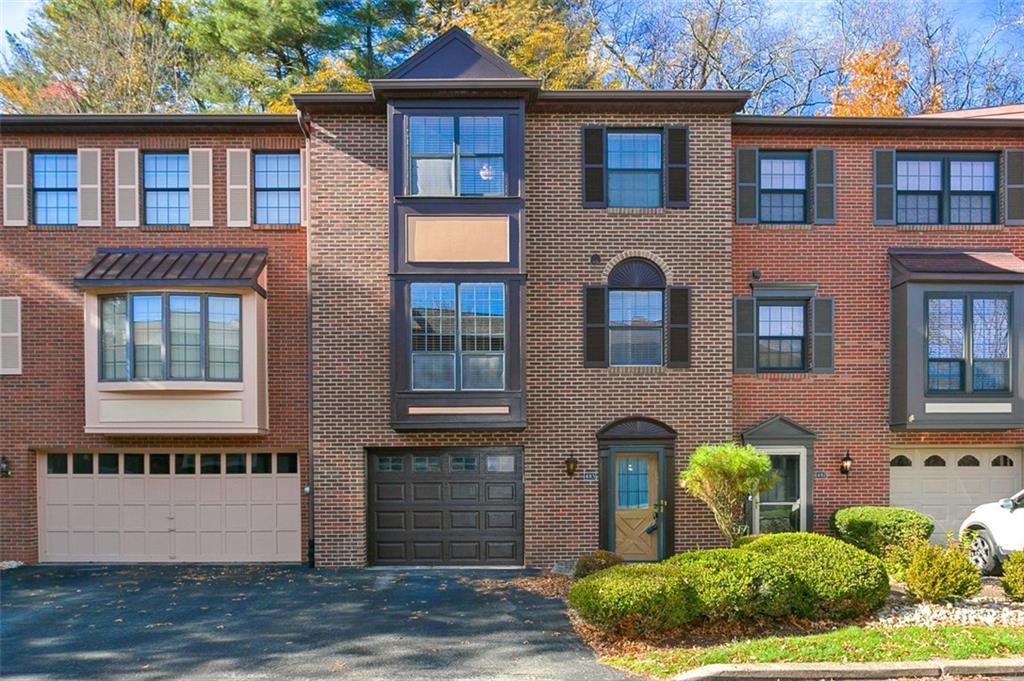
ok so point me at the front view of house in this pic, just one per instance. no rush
(465, 320)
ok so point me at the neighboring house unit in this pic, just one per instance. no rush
(522, 310)
(153, 290)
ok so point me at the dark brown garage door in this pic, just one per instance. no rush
(446, 506)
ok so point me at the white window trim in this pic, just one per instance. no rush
(17, 335)
(803, 501)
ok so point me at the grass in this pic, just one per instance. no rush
(851, 644)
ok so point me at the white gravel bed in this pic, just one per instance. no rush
(980, 610)
(10, 564)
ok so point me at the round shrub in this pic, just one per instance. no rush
(737, 584)
(636, 600)
(841, 580)
(942, 573)
(889, 533)
(1013, 576)
(599, 560)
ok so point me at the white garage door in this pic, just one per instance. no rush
(947, 483)
(168, 507)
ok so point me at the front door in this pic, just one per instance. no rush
(636, 503)
(784, 507)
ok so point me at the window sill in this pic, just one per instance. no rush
(164, 228)
(995, 227)
(53, 228)
(783, 225)
(170, 386)
(661, 210)
(638, 370)
(277, 228)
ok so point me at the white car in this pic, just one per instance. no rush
(998, 530)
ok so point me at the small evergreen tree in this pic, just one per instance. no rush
(723, 476)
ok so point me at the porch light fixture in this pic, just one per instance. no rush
(5, 467)
(845, 464)
(571, 464)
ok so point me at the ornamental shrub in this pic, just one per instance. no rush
(841, 581)
(1013, 576)
(724, 476)
(637, 600)
(889, 533)
(942, 573)
(599, 560)
(736, 584)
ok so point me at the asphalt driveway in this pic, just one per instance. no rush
(262, 622)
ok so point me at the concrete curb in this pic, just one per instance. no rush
(1013, 666)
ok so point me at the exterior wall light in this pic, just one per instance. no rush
(845, 464)
(5, 467)
(571, 464)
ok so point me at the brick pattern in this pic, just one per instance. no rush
(848, 409)
(566, 404)
(44, 407)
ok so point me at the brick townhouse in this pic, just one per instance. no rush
(522, 309)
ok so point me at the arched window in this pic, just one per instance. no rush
(934, 461)
(968, 461)
(900, 461)
(1002, 461)
(628, 322)
(636, 314)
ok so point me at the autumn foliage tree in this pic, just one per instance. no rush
(877, 81)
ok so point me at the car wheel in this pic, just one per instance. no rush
(983, 552)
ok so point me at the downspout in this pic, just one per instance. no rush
(311, 542)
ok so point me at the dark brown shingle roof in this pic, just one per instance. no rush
(213, 268)
(937, 263)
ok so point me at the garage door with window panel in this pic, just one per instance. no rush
(169, 506)
(947, 484)
(445, 507)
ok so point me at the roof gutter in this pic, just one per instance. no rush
(49, 123)
(853, 125)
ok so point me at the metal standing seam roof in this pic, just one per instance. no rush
(192, 267)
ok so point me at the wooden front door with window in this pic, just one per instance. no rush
(637, 530)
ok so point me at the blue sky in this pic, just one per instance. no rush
(14, 13)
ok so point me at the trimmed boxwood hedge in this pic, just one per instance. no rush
(841, 580)
(637, 600)
(738, 584)
(892, 534)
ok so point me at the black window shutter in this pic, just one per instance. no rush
(594, 167)
(885, 186)
(1013, 162)
(746, 185)
(679, 327)
(744, 351)
(823, 326)
(677, 166)
(825, 186)
(595, 323)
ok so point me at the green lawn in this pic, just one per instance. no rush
(852, 644)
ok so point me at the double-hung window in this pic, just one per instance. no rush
(55, 188)
(170, 336)
(634, 168)
(277, 188)
(968, 343)
(946, 188)
(165, 179)
(781, 335)
(456, 155)
(636, 329)
(783, 181)
(458, 336)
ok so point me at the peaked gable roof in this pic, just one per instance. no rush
(455, 55)
(778, 430)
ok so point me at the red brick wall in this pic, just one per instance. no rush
(566, 404)
(44, 406)
(848, 409)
